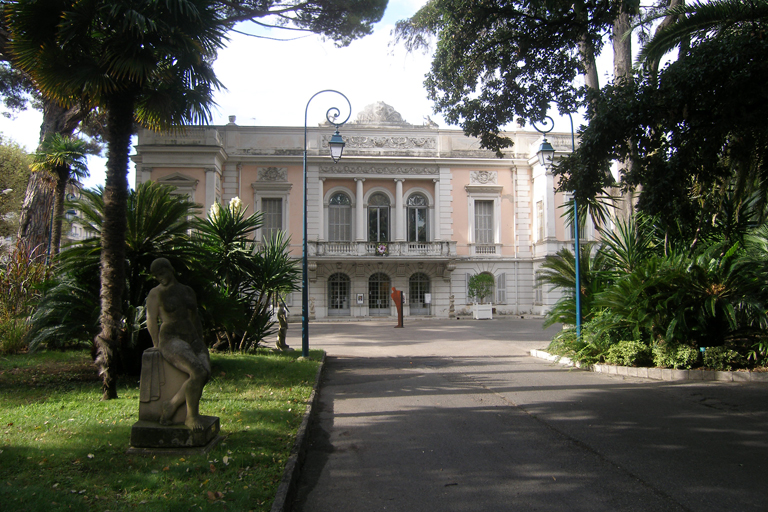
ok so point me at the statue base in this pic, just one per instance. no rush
(152, 438)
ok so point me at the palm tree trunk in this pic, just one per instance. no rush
(108, 342)
(35, 215)
(58, 211)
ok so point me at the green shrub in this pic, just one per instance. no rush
(672, 355)
(722, 359)
(12, 333)
(629, 353)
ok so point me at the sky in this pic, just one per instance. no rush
(269, 82)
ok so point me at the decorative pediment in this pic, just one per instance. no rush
(181, 181)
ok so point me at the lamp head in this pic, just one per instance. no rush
(336, 144)
(546, 153)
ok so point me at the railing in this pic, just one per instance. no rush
(485, 250)
(402, 249)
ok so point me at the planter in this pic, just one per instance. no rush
(482, 311)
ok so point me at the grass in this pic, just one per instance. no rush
(62, 448)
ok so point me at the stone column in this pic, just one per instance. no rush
(436, 212)
(360, 211)
(399, 217)
(320, 210)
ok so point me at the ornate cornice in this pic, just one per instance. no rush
(383, 170)
(386, 142)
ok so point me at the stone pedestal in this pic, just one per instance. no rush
(160, 381)
(151, 437)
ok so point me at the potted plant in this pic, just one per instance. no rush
(479, 287)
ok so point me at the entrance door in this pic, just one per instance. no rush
(338, 295)
(378, 294)
(418, 287)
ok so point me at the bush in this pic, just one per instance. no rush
(722, 359)
(672, 355)
(629, 353)
(12, 333)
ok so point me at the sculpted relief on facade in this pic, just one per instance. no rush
(387, 142)
(379, 113)
(384, 170)
(272, 174)
(483, 178)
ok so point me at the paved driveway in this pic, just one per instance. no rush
(454, 416)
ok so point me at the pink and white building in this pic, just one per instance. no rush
(415, 207)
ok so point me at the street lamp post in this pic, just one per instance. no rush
(546, 154)
(336, 145)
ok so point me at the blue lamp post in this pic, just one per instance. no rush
(336, 145)
(546, 154)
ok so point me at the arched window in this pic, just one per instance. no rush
(339, 218)
(418, 288)
(378, 294)
(378, 218)
(418, 206)
(338, 295)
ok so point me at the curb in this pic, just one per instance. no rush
(287, 488)
(665, 374)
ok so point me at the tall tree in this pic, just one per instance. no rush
(142, 60)
(341, 21)
(700, 21)
(497, 61)
(701, 140)
(14, 174)
(64, 158)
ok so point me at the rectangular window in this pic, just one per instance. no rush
(272, 211)
(501, 288)
(538, 289)
(540, 220)
(339, 223)
(417, 224)
(484, 223)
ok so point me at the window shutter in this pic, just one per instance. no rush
(466, 289)
(501, 288)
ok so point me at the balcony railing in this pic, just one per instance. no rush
(488, 250)
(437, 249)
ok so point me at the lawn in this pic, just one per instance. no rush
(62, 448)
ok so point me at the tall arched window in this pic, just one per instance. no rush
(418, 287)
(418, 206)
(378, 294)
(378, 218)
(339, 218)
(338, 295)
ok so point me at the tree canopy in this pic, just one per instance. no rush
(14, 174)
(697, 131)
(498, 61)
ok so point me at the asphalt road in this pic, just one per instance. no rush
(448, 415)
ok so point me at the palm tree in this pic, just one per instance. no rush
(64, 158)
(699, 20)
(141, 60)
(158, 226)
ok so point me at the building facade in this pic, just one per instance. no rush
(413, 207)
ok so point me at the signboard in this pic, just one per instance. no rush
(427, 298)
